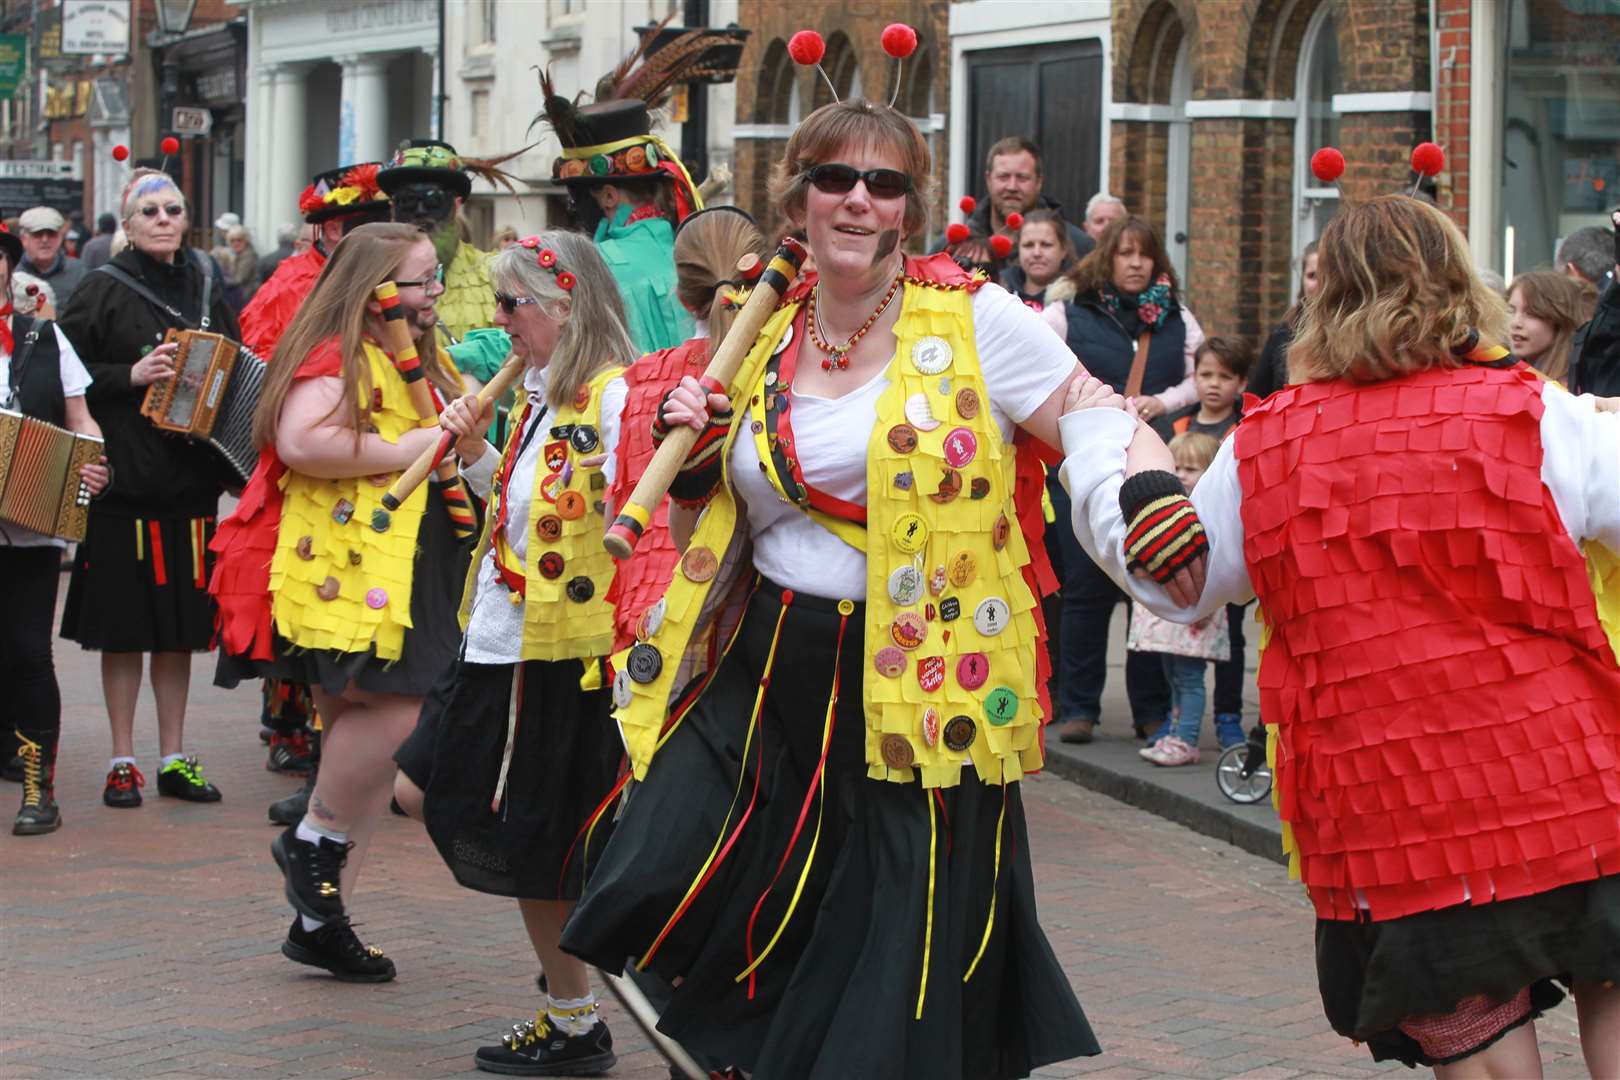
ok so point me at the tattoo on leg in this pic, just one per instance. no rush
(887, 242)
(322, 811)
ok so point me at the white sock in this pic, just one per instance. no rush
(313, 834)
(169, 759)
(310, 925)
(117, 761)
(572, 1016)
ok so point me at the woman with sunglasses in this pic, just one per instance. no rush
(140, 578)
(516, 797)
(827, 853)
(319, 584)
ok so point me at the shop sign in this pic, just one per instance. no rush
(95, 26)
(190, 120)
(13, 63)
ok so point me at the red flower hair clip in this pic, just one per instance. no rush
(548, 261)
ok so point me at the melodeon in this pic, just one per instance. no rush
(211, 396)
(41, 487)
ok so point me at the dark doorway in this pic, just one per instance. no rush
(1051, 93)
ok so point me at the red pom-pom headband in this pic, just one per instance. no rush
(1327, 164)
(899, 40)
(547, 260)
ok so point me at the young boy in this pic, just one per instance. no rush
(1220, 371)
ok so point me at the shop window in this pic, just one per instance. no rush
(1560, 125)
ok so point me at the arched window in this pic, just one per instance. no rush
(778, 88)
(842, 68)
(1319, 79)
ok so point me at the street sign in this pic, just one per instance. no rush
(190, 120)
(21, 169)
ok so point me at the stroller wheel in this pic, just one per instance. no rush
(1230, 778)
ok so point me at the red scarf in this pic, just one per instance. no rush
(8, 344)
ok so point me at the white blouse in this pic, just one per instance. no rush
(1022, 362)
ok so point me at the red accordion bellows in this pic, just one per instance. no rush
(1448, 704)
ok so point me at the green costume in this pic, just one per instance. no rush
(641, 255)
(468, 302)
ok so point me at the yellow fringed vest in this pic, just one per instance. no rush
(950, 634)
(565, 543)
(336, 581)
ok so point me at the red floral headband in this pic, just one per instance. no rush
(548, 261)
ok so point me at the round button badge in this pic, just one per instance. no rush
(1000, 706)
(896, 751)
(622, 694)
(950, 486)
(582, 397)
(909, 630)
(580, 589)
(959, 733)
(644, 663)
(930, 727)
(910, 533)
(650, 620)
(551, 566)
(972, 669)
(999, 532)
(376, 599)
(931, 355)
(328, 589)
(699, 564)
(967, 403)
(906, 585)
(571, 506)
(991, 616)
(961, 445)
(889, 661)
(584, 439)
(549, 528)
(551, 487)
(306, 548)
(902, 438)
(964, 568)
(979, 488)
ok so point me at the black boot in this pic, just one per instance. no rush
(313, 873)
(291, 810)
(335, 947)
(39, 813)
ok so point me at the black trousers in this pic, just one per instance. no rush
(1229, 673)
(28, 579)
(1089, 597)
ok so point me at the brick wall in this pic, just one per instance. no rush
(1240, 213)
(761, 91)
(1453, 65)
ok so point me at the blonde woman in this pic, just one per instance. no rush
(357, 602)
(1412, 514)
(517, 819)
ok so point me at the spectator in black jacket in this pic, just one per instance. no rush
(140, 578)
(1013, 177)
(1595, 353)
(1271, 373)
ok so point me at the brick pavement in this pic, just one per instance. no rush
(144, 943)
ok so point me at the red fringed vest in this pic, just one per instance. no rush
(1448, 706)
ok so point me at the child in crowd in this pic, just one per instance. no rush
(1220, 373)
(1545, 308)
(1044, 252)
(1186, 648)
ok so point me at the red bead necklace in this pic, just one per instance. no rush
(837, 358)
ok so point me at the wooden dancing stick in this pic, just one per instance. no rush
(626, 529)
(457, 503)
(433, 457)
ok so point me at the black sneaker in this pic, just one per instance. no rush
(124, 783)
(313, 873)
(182, 778)
(335, 947)
(539, 1049)
(291, 755)
(291, 810)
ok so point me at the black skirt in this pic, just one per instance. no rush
(140, 584)
(838, 996)
(1375, 974)
(541, 841)
(431, 643)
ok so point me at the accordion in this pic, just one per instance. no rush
(41, 487)
(211, 397)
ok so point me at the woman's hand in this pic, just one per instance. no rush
(687, 405)
(1607, 404)
(468, 418)
(97, 475)
(1149, 408)
(155, 365)
(1086, 392)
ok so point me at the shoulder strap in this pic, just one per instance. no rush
(19, 362)
(135, 285)
(205, 266)
(1133, 383)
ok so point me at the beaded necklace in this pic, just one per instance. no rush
(837, 358)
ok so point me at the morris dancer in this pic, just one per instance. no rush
(514, 762)
(1442, 698)
(318, 583)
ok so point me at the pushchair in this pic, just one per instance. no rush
(1241, 772)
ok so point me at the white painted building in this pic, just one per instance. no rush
(333, 82)
(495, 49)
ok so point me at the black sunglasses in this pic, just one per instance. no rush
(836, 179)
(172, 209)
(510, 304)
(423, 199)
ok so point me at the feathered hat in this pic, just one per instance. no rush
(349, 190)
(611, 140)
(429, 161)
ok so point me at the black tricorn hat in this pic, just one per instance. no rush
(348, 190)
(425, 161)
(11, 244)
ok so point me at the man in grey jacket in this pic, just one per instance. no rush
(42, 229)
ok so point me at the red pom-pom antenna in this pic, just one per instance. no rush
(968, 204)
(120, 152)
(1327, 164)
(1015, 221)
(899, 40)
(955, 232)
(1001, 246)
(1428, 159)
(807, 48)
(170, 145)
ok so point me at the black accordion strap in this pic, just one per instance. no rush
(19, 363)
(119, 275)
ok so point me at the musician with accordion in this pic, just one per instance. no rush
(42, 387)
(139, 584)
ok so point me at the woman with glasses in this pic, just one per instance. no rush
(827, 854)
(515, 791)
(139, 584)
(319, 584)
